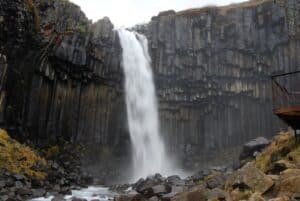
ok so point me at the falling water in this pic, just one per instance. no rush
(149, 154)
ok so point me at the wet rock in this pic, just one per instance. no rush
(130, 197)
(169, 196)
(216, 181)
(161, 189)
(178, 189)
(23, 191)
(143, 186)
(175, 181)
(154, 198)
(38, 193)
(200, 175)
(2, 184)
(78, 199)
(9, 182)
(58, 198)
(19, 177)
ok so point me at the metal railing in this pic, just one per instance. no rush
(286, 91)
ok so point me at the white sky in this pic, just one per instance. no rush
(130, 12)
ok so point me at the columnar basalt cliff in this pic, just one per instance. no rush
(61, 75)
(213, 68)
(74, 84)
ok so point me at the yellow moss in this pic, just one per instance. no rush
(280, 146)
(18, 158)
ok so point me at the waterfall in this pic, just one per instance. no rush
(149, 155)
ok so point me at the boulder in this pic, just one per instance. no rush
(175, 180)
(255, 145)
(249, 177)
(130, 197)
(23, 191)
(197, 193)
(161, 189)
(145, 185)
(256, 197)
(282, 165)
(282, 198)
(218, 194)
(240, 194)
(156, 190)
(78, 199)
(289, 182)
(215, 181)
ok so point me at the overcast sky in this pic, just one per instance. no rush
(130, 12)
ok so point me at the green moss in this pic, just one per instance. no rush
(18, 158)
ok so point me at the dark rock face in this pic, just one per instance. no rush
(61, 76)
(66, 82)
(63, 79)
(212, 69)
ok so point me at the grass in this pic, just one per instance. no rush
(283, 146)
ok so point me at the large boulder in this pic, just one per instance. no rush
(152, 185)
(218, 194)
(253, 146)
(216, 180)
(197, 193)
(289, 183)
(130, 197)
(175, 180)
(251, 178)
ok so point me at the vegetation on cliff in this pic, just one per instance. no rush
(283, 148)
(19, 158)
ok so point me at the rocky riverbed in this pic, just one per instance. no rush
(269, 170)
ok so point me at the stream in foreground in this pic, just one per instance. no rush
(88, 194)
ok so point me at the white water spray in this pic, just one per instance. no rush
(149, 155)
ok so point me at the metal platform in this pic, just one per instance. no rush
(286, 98)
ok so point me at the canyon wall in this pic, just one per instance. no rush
(61, 75)
(213, 68)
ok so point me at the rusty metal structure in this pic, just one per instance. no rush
(286, 98)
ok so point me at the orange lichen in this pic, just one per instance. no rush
(18, 158)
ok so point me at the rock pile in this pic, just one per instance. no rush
(24, 174)
(273, 175)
